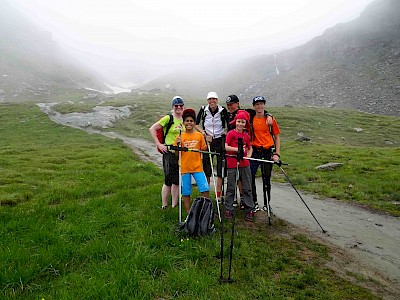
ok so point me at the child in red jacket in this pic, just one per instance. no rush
(237, 166)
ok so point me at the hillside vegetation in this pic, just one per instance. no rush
(80, 218)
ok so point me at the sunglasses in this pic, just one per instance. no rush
(179, 105)
(230, 104)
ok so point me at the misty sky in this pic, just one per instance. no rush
(181, 31)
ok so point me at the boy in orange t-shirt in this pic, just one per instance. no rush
(266, 145)
(191, 162)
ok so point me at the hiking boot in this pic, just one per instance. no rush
(228, 214)
(249, 216)
(235, 203)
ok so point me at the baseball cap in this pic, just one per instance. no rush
(258, 99)
(177, 100)
(212, 95)
(189, 112)
(232, 99)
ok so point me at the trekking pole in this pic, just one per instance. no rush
(263, 175)
(239, 157)
(229, 280)
(261, 160)
(180, 184)
(323, 230)
(222, 227)
(266, 199)
(213, 177)
(177, 148)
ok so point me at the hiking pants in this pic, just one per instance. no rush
(245, 178)
(215, 146)
(266, 171)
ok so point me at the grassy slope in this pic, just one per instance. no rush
(370, 158)
(80, 219)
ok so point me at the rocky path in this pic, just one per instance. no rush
(370, 242)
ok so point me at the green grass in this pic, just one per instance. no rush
(80, 218)
(370, 158)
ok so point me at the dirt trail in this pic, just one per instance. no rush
(371, 241)
(372, 238)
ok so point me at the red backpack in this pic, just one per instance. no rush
(160, 132)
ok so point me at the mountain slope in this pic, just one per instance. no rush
(353, 65)
(32, 65)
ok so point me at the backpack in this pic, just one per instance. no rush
(160, 132)
(200, 220)
(223, 112)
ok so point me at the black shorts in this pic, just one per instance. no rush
(171, 169)
(215, 146)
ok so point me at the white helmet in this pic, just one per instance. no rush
(212, 95)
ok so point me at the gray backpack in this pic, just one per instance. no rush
(200, 220)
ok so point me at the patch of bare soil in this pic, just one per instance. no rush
(362, 242)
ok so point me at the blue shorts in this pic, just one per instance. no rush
(200, 179)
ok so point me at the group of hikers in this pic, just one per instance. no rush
(239, 139)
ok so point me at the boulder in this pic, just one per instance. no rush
(329, 166)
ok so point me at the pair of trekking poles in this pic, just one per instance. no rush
(222, 228)
(239, 157)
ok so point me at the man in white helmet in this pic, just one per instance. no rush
(170, 160)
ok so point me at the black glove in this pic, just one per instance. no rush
(240, 153)
(177, 148)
